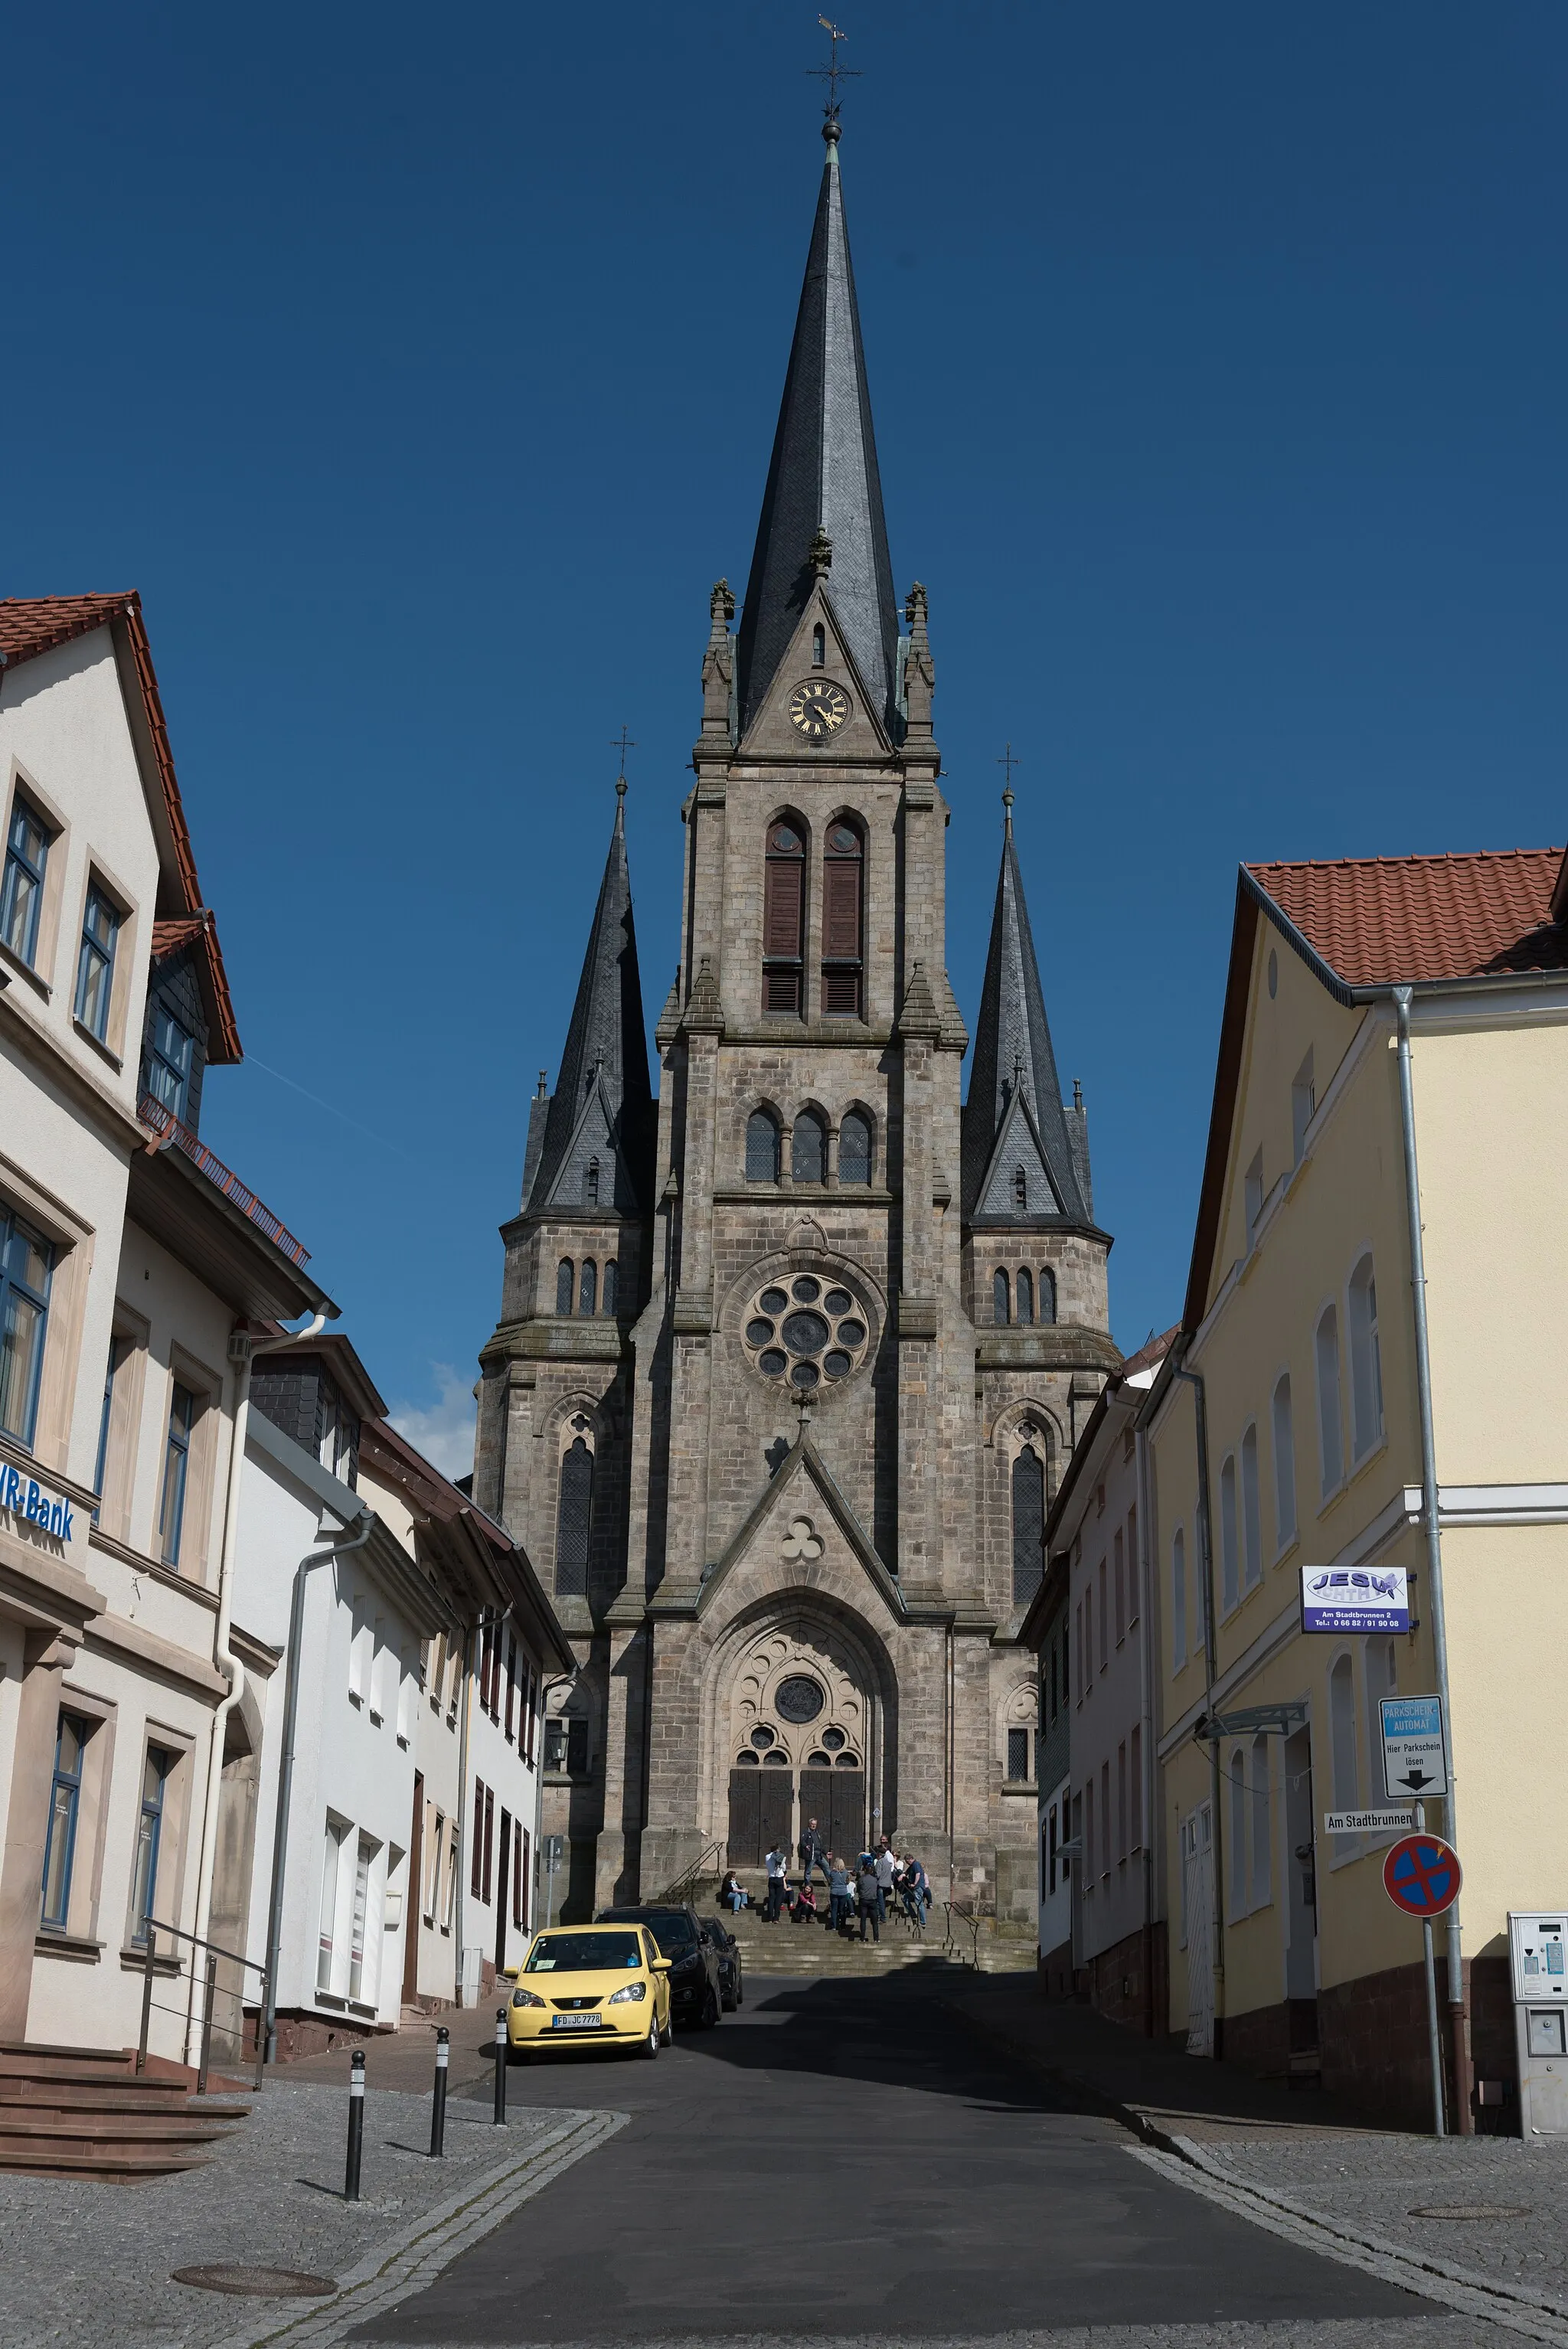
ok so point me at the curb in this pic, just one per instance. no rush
(386, 2275)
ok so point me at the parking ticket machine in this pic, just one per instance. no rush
(1537, 1955)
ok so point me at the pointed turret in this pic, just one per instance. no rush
(822, 482)
(1025, 1155)
(591, 1142)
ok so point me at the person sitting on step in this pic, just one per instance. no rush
(734, 1894)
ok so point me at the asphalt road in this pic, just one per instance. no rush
(846, 2160)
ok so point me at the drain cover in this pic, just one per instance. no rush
(1471, 2210)
(257, 2284)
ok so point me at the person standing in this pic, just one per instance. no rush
(912, 1892)
(777, 1882)
(887, 1868)
(838, 1902)
(813, 1852)
(871, 1900)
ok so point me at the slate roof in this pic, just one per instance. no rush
(602, 1101)
(1012, 1028)
(823, 476)
(1380, 920)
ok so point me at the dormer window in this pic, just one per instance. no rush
(1020, 1187)
(169, 1062)
(819, 646)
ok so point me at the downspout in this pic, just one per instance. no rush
(1143, 1567)
(242, 1349)
(1463, 2118)
(1211, 1673)
(356, 1539)
(465, 1856)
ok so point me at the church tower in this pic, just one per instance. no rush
(819, 1423)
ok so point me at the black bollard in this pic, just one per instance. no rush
(501, 2067)
(438, 2106)
(355, 2126)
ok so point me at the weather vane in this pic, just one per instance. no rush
(832, 73)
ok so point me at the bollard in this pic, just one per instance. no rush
(438, 2104)
(209, 1996)
(146, 2000)
(355, 2126)
(501, 2067)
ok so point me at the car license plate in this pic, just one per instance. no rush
(574, 2021)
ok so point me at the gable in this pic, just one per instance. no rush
(803, 1532)
(1018, 1151)
(772, 732)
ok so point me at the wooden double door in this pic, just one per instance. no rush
(762, 1811)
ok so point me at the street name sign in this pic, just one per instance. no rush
(1413, 1746)
(1355, 1599)
(1421, 1875)
(1374, 1822)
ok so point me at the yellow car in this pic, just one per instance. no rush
(591, 1986)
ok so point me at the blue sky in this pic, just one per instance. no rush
(422, 374)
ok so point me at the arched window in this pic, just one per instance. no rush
(808, 1149)
(612, 1283)
(784, 918)
(843, 871)
(1178, 1598)
(1020, 1187)
(1330, 1432)
(1047, 1294)
(565, 1285)
(1366, 1364)
(1001, 1304)
(1235, 1774)
(590, 1183)
(819, 646)
(855, 1148)
(588, 1289)
(1229, 1577)
(1283, 1467)
(573, 1512)
(1346, 1778)
(1263, 1856)
(1028, 1524)
(761, 1147)
(1252, 1515)
(1023, 1289)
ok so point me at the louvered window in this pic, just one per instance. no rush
(761, 1148)
(1028, 1524)
(843, 869)
(565, 1285)
(572, 1515)
(808, 1149)
(590, 1183)
(784, 919)
(855, 1149)
(1020, 1187)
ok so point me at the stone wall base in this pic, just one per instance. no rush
(1128, 1983)
(301, 2034)
(1056, 1972)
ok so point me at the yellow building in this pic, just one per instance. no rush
(1286, 1430)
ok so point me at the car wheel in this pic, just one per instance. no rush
(652, 2042)
(739, 1987)
(669, 2029)
(727, 2001)
(710, 2010)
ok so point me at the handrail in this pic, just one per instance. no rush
(690, 1876)
(155, 1927)
(967, 1917)
(181, 1935)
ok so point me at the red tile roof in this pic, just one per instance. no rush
(168, 937)
(32, 625)
(1375, 920)
(1153, 1350)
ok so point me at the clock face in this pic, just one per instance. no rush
(818, 708)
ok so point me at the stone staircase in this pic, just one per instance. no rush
(811, 1951)
(85, 2111)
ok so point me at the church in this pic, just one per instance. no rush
(792, 1354)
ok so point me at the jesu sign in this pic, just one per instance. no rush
(1421, 1875)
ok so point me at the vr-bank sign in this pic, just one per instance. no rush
(1355, 1599)
(24, 1499)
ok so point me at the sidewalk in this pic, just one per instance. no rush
(1479, 2222)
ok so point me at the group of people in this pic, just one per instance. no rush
(859, 1892)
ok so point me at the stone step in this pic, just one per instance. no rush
(69, 2112)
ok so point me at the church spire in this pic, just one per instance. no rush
(823, 493)
(591, 1144)
(1025, 1155)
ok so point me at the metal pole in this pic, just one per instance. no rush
(146, 1999)
(1464, 2119)
(210, 1987)
(1434, 2036)
(261, 2033)
(438, 2101)
(355, 2126)
(501, 2067)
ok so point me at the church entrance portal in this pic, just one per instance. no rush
(800, 1724)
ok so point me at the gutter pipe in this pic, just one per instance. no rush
(1463, 2118)
(243, 1350)
(1211, 1673)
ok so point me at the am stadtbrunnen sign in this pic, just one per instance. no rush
(1355, 1599)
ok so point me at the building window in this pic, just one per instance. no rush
(1284, 1465)
(26, 1265)
(1252, 1520)
(1017, 1757)
(855, 1148)
(1023, 1289)
(565, 1280)
(784, 919)
(819, 646)
(1342, 1735)
(518, 1862)
(1263, 1858)
(1178, 1600)
(1104, 1818)
(1047, 1294)
(1119, 1583)
(1330, 1433)
(150, 1836)
(332, 1859)
(1001, 1301)
(1230, 1582)
(1254, 1193)
(1302, 1105)
(65, 1801)
(612, 1286)
(169, 1062)
(761, 1147)
(118, 1348)
(573, 1512)
(510, 1689)
(808, 1149)
(95, 964)
(1020, 1188)
(175, 1472)
(1134, 1752)
(1104, 1622)
(590, 1183)
(1121, 1843)
(588, 1287)
(1028, 1524)
(362, 1968)
(843, 873)
(1365, 1363)
(476, 1843)
(1235, 1771)
(22, 891)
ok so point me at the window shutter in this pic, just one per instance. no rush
(841, 908)
(786, 894)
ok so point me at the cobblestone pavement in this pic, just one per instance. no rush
(88, 2265)
(1331, 2333)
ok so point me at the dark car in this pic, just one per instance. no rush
(697, 1993)
(731, 1988)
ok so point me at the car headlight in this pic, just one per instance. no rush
(690, 1962)
(525, 1998)
(627, 1993)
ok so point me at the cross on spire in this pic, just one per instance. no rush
(832, 73)
(622, 744)
(1008, 763)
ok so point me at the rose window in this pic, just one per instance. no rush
(806, 1333)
